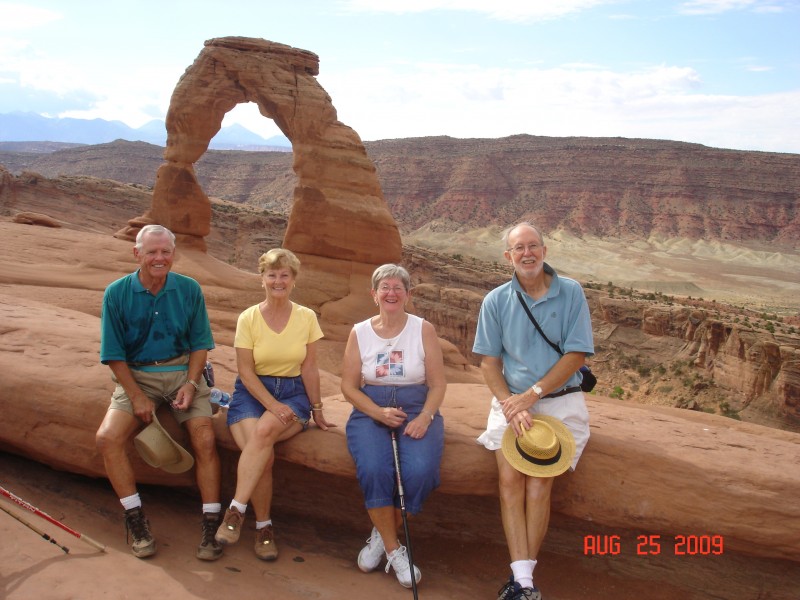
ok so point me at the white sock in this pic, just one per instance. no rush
(262, 524)
(242, 508)
(130, 502)
(212, 507)
(523, 572)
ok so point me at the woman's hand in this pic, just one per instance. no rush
(391, 417)
(320, 421)
(284, 413)
(418, 427)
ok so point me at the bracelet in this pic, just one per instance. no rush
(317, 406)
(427, 411)
(195, 385)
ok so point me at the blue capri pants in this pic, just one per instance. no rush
(286, 390)
(370, 445)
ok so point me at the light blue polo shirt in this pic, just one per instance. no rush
(505, 331)
(136, 326)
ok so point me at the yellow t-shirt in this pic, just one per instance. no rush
(277, 354)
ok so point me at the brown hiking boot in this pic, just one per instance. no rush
(138, 528)
(209, 548)
(231, 527)
(265, 543)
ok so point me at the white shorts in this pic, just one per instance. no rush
(570, 409)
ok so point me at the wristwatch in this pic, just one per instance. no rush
(537, 390)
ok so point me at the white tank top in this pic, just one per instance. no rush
(396, 361)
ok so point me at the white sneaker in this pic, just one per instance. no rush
(371, 555)
(398, 560)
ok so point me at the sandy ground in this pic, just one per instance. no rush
(317, 559)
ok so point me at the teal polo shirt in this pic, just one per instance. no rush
(505, 331)
(136, 326)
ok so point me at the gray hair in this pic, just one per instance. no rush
(153, 229)
(507, 232)
(389, 270)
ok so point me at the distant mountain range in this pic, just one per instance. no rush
(32, 127)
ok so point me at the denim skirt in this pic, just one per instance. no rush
(286, 390)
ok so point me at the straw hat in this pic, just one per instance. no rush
(544, 450)
(159, 450)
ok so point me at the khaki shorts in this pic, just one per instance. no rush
(570, 409)
(163, 386)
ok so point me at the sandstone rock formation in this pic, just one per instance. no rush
(31, 218)
(755, 368)
(338, 210)
(711, 472)
(448, 293)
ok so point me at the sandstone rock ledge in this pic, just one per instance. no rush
(653, 469)
(646, 470)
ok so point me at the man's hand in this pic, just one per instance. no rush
(184, 397)
(143, 407)
(515, 410)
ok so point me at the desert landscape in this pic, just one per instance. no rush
(688, 256)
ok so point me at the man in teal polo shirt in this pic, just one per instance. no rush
(155, 336)
(529, 377)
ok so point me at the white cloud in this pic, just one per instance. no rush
(19, 17)
(708, 7)
(97, 88)
(502, 10)
(662, 102)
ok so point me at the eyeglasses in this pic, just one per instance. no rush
(385, 289)
(520, 249)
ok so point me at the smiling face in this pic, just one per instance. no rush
(526, 252)
(391, 294)
(278, 283)
(155, 256)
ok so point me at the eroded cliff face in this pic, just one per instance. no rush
(755, 370)
(605, 187)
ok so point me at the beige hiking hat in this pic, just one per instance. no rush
(544, 450)
(159, 450)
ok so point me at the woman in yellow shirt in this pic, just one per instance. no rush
(276, 393)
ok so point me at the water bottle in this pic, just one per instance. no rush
(223, 399)
(208, 374)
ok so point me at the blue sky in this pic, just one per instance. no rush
(724, 73)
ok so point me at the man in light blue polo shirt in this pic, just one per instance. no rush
(528, 377)
(155, 336)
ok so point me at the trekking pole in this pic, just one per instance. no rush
(31, 526)
(402, 496)
(47, 517)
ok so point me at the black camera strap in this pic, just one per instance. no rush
(535, 324)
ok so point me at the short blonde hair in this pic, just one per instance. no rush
(390, 270)
(278, 258)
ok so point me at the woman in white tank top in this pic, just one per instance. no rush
(393, 375)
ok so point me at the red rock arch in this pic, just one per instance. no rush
(338, 210)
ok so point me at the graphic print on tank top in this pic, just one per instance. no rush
(389, 364)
